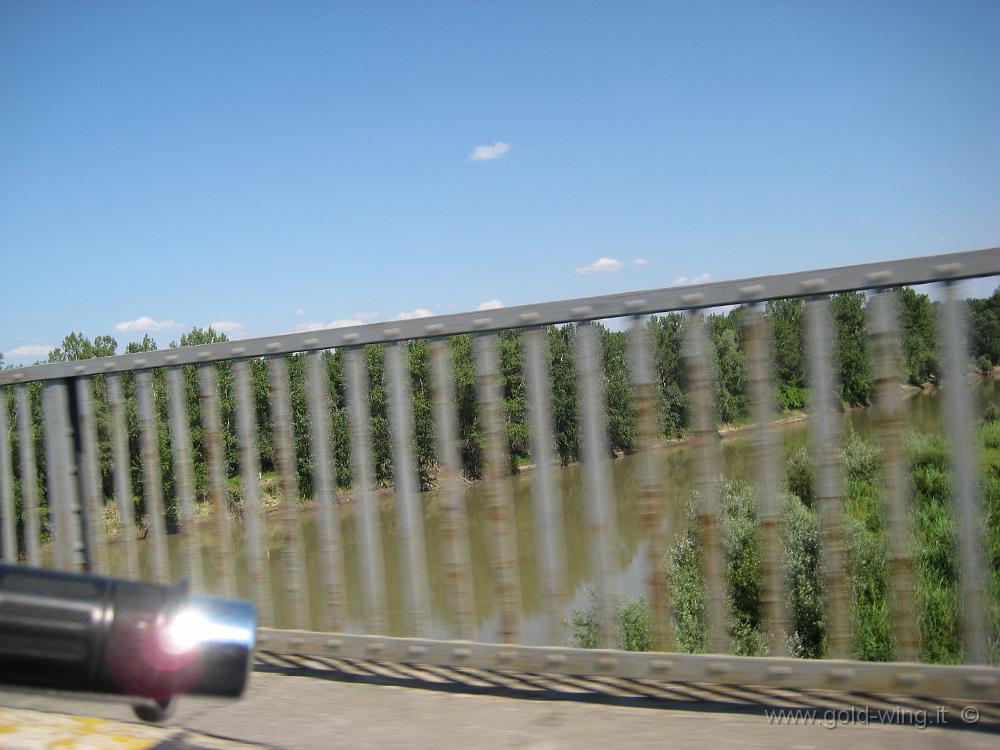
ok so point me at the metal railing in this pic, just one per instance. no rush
(75, 501)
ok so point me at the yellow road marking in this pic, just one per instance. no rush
(25, 729)
(22, 728)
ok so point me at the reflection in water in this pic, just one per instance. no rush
(924, 416)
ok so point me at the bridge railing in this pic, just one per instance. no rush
(75, 499)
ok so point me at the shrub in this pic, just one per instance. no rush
(992, 412)
(687, 587)
(868, 590)
(991, 435)
(585, 630)
(803, 579)
(868, 573)
(860, 459)
(740, 529)
(632, 624)
(935, 571)
(800, 474)
(741, 542)
(984, 366)
(792, 397)
(991, 522)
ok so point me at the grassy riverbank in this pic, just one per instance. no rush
(937, 597)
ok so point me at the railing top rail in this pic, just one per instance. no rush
(904, 272)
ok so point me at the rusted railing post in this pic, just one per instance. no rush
(652, 483)
(884, 332)
(767, 458)
(825, 438)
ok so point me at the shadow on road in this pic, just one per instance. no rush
(777, 706)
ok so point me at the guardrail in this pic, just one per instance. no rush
(75, 499)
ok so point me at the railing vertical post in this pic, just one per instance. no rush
(246, 420)
(369, 526)
(60, 485)
(600, 508)
(8, 535)
(92, 505)
(825, 438)
(152, 487)
(218, 493)
(767, 456)
(409, 513)
(961, 425)
(548, 505)
(180, 438)
(708, 465)
(71, 459)
(331, 553)
(884, 332)
(29, 478)
(284, 449)
(122, 475)
(454, 519)
(500, 504)
(651, 482)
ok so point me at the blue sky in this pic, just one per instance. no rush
(273, 166)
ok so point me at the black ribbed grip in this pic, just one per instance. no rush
(55, 631)
(50, 627)
(74, 632)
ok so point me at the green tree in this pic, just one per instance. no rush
(192, 403)
(730, 371)
(418, 356)
(667, 335)
(299, 404)
(469, 433)
(340, 422)
(918, 322)
(787, 318)
(853, 363)
(381, 435)
(565, 416)
(618, 390)
(159, 393)
(76, 346)
(984, 322)
(515, 402)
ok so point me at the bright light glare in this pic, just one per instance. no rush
(186, 631)
(190, 628)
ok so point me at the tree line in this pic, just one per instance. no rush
(786, 318)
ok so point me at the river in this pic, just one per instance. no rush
(924, 414)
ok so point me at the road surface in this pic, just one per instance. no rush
(346, 705)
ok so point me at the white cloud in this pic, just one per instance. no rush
(701, 278)
(344, 323)
(601, 265)
(29, 351)
(489, 151)
(145, 324)
(300, 312)
(490, 304)
(227, 326)
(305, 327)
(640, 262)
(420, 312)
